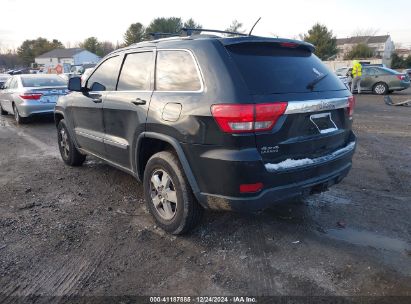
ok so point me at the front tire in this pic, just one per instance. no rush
(380, 88)
(168, 195)
(68, 151)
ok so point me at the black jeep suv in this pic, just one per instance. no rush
(232, 123)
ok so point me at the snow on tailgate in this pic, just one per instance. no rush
(294, 163)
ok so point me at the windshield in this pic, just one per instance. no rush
(43, 81)
(267, 69)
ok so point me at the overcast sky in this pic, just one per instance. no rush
(72, 21)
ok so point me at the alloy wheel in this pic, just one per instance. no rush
(64, 143)
(163, 194)
(380, 89)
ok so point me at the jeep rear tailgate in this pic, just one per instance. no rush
(317, 120)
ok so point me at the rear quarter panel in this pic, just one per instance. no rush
(220, 85)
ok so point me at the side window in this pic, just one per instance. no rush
(136, 72)
(380, 72)
(106, 75)
(176, 71)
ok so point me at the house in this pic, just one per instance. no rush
(72, 56)
(382, 46)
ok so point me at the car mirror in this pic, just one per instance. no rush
(97, 87)
(74, 84)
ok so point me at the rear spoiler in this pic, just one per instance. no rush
(279, 41)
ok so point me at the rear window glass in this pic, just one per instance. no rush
(269, 69)
(43, 81)
(387, 71)
(176, 71)
(136, 72)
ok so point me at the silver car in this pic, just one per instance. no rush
(29, 95)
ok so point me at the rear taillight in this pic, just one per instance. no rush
(31, 96)
(243, 118)
(351, 105)
(401, 77)
(251, 188)
(289, 44)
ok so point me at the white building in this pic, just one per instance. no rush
(382, 46)
(71, 56)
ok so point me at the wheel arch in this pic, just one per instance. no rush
(162, 143)
(58, 116)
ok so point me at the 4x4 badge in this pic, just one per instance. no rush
(265, 149)
(324, 105)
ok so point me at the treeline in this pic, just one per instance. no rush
(136, 32)
(398, 62)
(319, 35)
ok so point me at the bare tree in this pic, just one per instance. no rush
(398, 45)
(365, 32)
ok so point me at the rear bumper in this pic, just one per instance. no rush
(272, 196)
(402, 86)
(32, 108)
(219, 177)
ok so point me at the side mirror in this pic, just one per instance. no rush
(74, 84)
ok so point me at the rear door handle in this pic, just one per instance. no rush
(139, 101)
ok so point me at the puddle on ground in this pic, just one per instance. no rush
(367, 238)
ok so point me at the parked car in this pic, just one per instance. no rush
(3, 79)
(381, 80)
(28, 95)
(236, 123)
(342, 71)
(80, 68)
(346, 81)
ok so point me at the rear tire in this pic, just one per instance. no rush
(380, 88)
(19, 120)
(168, 195)
(68, 151)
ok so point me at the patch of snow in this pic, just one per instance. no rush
(289, 163)
(293, 163)
(329, 130)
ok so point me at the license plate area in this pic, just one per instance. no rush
(49, 98)
(323, 122)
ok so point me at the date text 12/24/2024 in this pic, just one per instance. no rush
(203, 300)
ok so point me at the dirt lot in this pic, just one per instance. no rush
(86, 231)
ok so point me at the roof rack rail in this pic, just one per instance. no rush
(158, 35)
(189, 31)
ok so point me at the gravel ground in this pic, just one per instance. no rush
(86, 231)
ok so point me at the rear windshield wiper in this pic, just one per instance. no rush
(312, 84)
